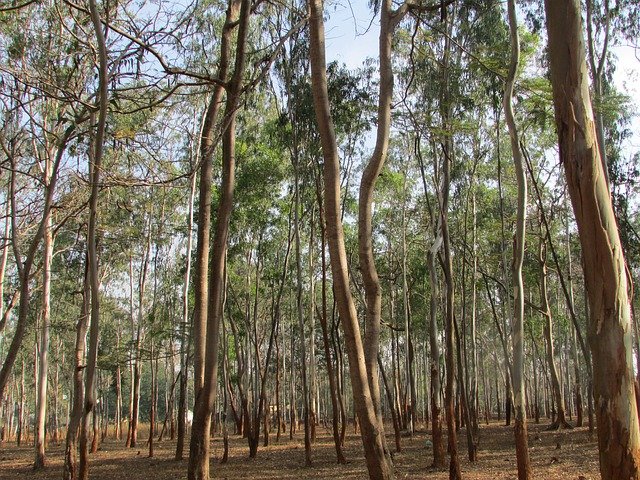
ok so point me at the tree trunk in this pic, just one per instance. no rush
(434, 351)
(378, 465)
(558, 396)
(208, 143)
(118, 407)
(372, 289)
(394, 412)
(70, 470)
(300, 315)
(517, 328)
(185, 333)
(199, 447)
(603, 260)
(137, 365)
(454, 464)
(152, 410)
(335, 408)
(450, 351)
(95, 168)
(43, 363)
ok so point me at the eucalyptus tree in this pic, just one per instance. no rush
(184, 326)
(517, 326)
(96, 149)
(603, 258)
(558, 395)
(208, 142)
(377, 463)
(199, 446)
(301, 142)
(389, 19)
(45, 131)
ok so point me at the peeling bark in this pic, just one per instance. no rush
(605, 273)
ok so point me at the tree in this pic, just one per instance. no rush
(517, 325)
(199, 446)
(605, 273)
(95, 168)
(377, 463)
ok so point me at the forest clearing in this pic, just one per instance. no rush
(576, 459)
(232, 230)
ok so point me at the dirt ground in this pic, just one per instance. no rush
(569, 454)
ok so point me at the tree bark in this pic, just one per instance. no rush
(604, 265)
(184, 341)
(517, 327)
(70, 470)
(95, 167)
(199, 446)
(450, 351)
(306, 401)
(208, 143)
(378, 465)
(43, 363)
(372, 289)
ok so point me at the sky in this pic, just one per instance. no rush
(627, 79)
(352, 36)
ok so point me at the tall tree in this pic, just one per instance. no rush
(95, 169)
(604, 266)
(199, 446)
(389, 19)
(558, 394)
(517, 325)
(45, 331)
(377, 462)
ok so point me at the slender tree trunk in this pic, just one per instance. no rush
(208, 143)
(137, 365)
(450, 351)
(313, 380)
(152, 409)
(603, 260)
(21, 406)
(517, 328)
(70, 470)
(377, 464)
(335, 408)
(574, 347)
(434, 350)
(394, 412)
(43, 363)
(372, 289)
(95, 423)
(95, 168)
(118, 388)
(199, 446)
(300, 316)
(184, 342)
(558, 397)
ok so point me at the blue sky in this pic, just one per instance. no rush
(351, 36)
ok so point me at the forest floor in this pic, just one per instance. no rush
(568, 454)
